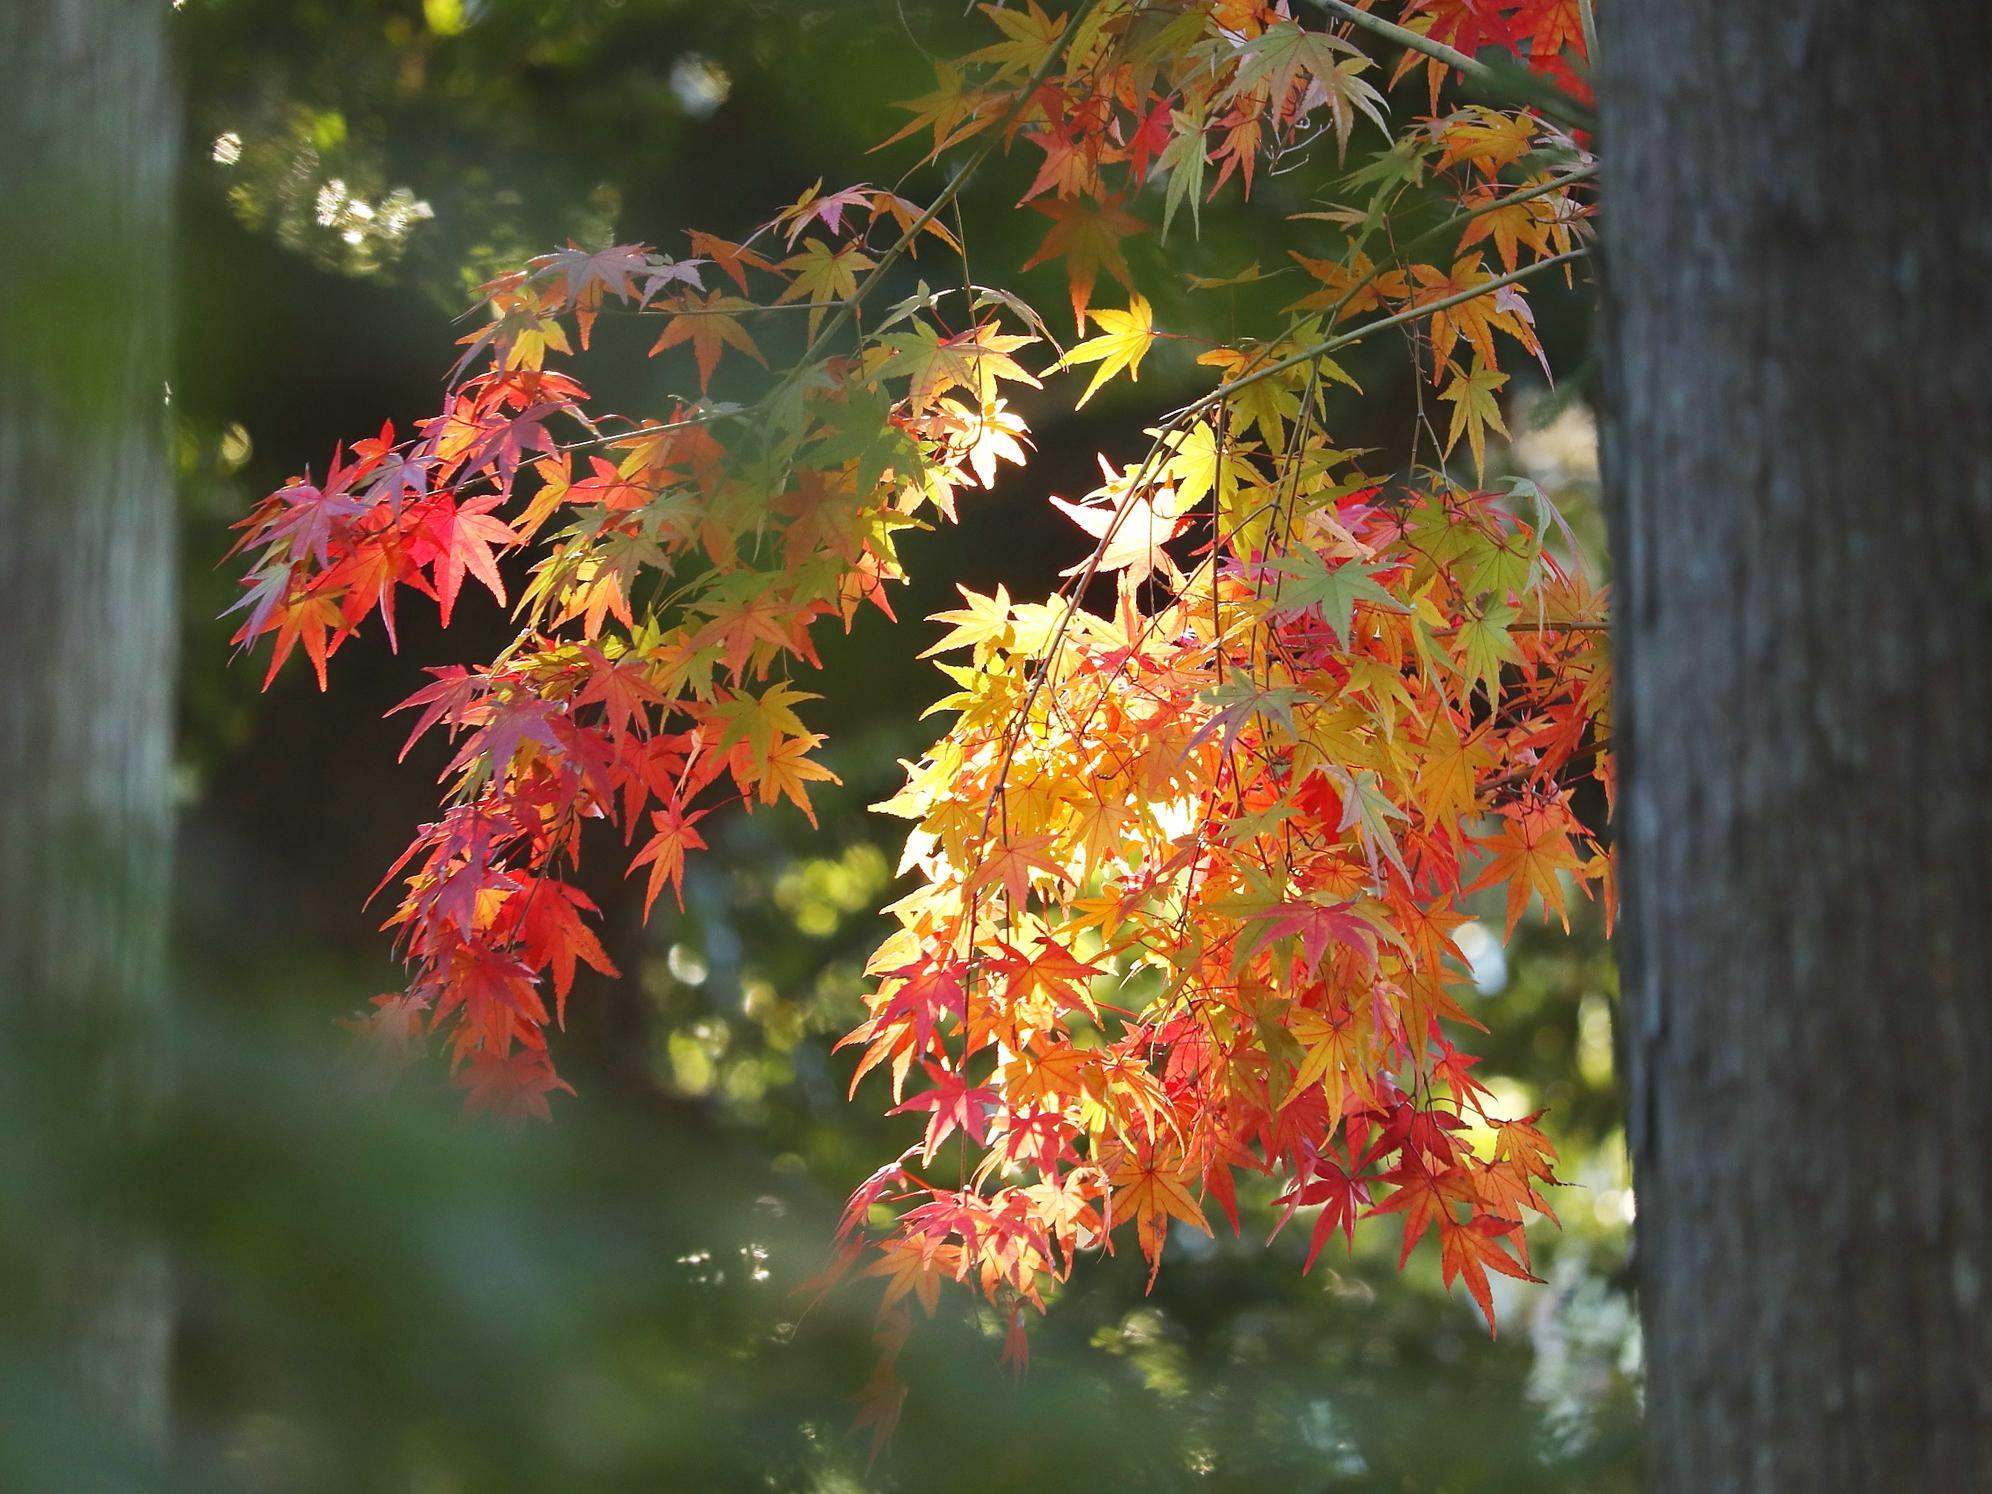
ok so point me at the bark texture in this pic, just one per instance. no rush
(1799, 444)
(87, 617)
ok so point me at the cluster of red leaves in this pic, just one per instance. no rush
(607, 708)
(1547, 35)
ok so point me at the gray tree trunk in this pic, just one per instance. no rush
(87, 618)
(1799, 443)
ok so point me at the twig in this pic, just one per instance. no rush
(947, 194)
(1552, 100)
(1357, 334)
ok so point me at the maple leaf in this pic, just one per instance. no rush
(1331, 1188)
(394, 473)
(309, 619)
(1475, 320)
(1423, 1196)
(518, 337)
(268, 589)
(509, 725)
(954, 1103)
(664, 852)
(448, 699)
(1053, 969)
(924, 992)
(1541, 222)
(495, 991)
(552, 934)
(622, 689)
(1284, 54)
(1532, 846)
(1131, 534)
(914, 1269)
(1071, 162)
(788, 769)
(1349, 289)
(1488, 139)
(1202, 465)
(974, 359)
(1316, 925)
(986, 619)
(759, 720)
(992, 432)
(1013, 862)
(1184, 158)
(1335, 589)
(463, 535)
(824, 275)
(1369, 811)
(586, 276)
(710, 324)
(1484, 646)
(954, 111)
(1029, 35)
(314, 515)
(1335, 1059)
(735, 259)
(1086, 234)
(1449, 778)
(1547, 28)
(510, 1087)
(1474, 409)
(1126, 339)
(815, 207)
(1153, 1194)
(1469, 1249)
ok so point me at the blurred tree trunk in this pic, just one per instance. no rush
(87, 620)
(1799, 443)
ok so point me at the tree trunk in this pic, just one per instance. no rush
(1799, 443)
(87, 617)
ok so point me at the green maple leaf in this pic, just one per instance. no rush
(1484, 646)
(1368, 808)
(1334, 589)
(1474, 409)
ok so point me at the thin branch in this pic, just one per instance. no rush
(948, 193)
(1458, 220)
(1417, 41)
(1357, 334)
(1551, 99)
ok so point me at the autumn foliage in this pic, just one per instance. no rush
(1191, 852)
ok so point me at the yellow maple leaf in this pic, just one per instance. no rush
(1124, 342)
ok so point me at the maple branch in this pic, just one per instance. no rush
(709, 416)
(1538, 627)
(1417, 41)
(948, 193)
(1527, 771)
(1588, 20)
(1552, 100)
(1382, 324)
(1458, 220)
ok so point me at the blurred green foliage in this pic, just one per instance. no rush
(375, 1295)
